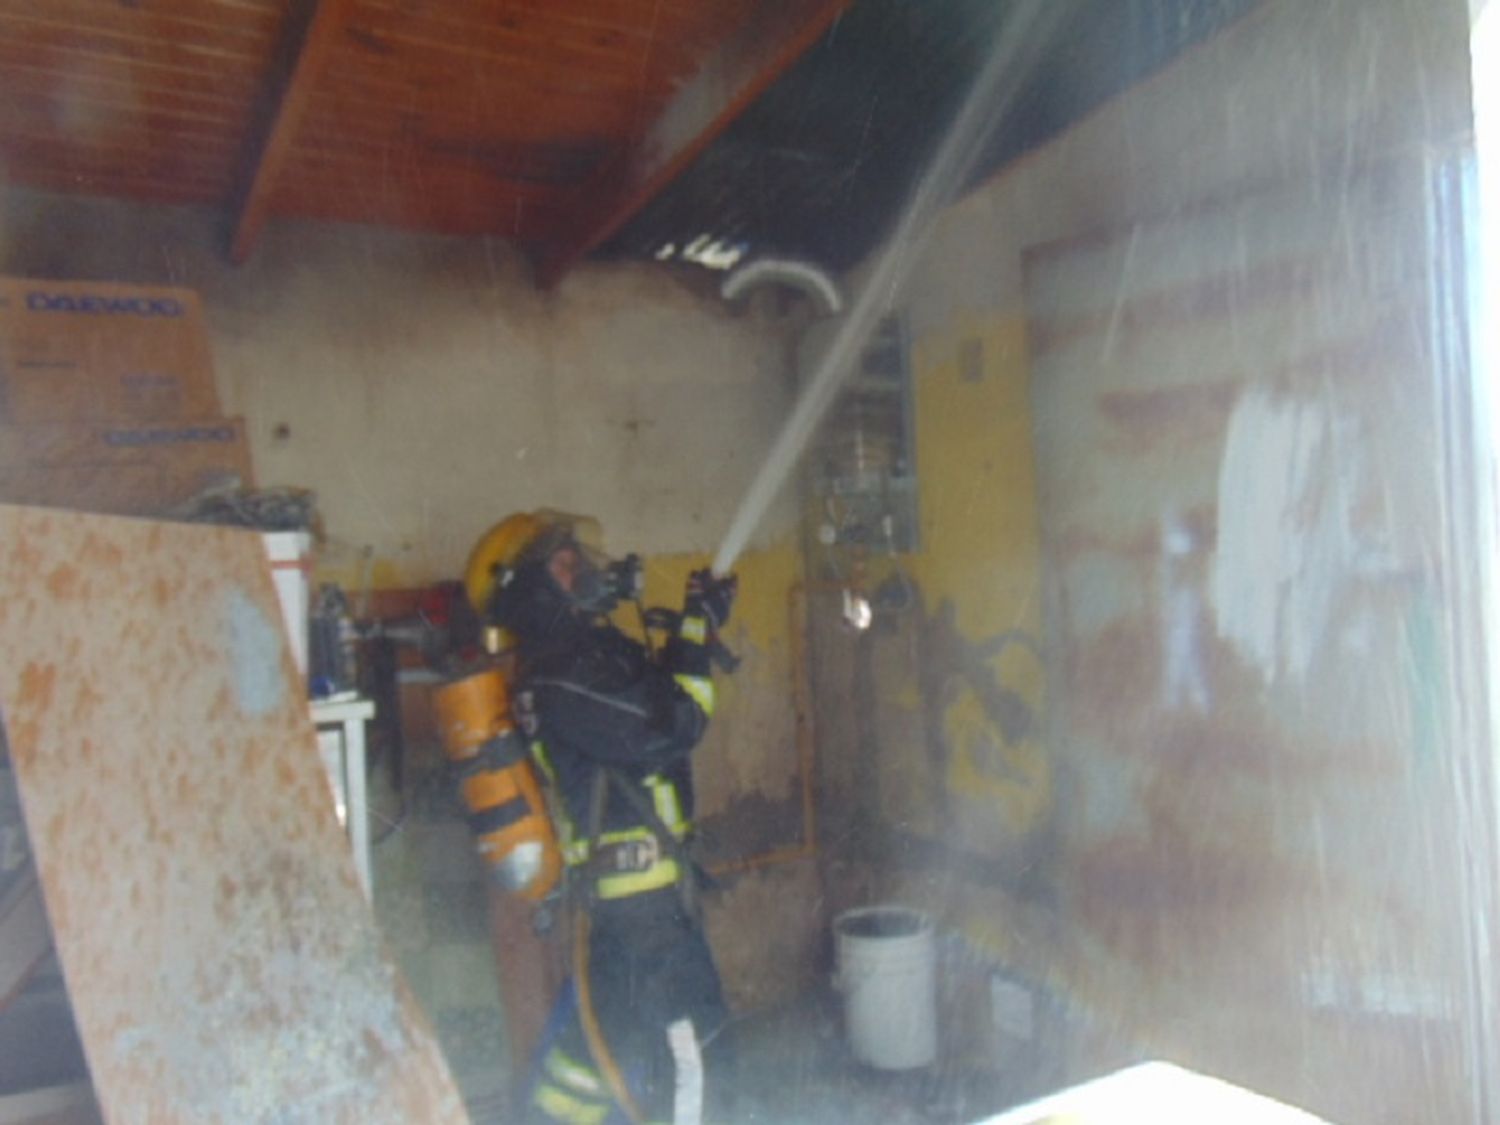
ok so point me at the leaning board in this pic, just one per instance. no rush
(222, 962)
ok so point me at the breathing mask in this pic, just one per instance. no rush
(581, 573)
(601, 583)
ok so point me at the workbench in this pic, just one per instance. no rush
(341, 744)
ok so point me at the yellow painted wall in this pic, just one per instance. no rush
(977, 568)
(977, 476)
(750, 747)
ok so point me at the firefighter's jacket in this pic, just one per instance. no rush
(599, 700)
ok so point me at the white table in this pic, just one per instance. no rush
(341, 742)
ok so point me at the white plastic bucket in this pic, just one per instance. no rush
(886, 969)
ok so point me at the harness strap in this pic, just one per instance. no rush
(674, 866)
(687, 884)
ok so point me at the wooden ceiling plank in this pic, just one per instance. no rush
(762, 50)
(254, 6)
(664, 12)
(367, 168)
(145, 96)
(82, 114)
(531, 41)
(627, 19)
(36, 161)
(254, 35)
(69, 60)
(240, 84)
(104, 173)
(132, 145)
(236, 9)
(315, 42)
(444, 126)
(562, 164)
(111, 89)
(471, 62)
(155, 16)
(557, 134)
(29, 27)
(432, 86)
(415, 206)
(27, 146)
(343, 169)
(439, 202)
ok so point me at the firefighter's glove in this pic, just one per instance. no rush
(710, 598)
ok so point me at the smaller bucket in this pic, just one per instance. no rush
(886, 969)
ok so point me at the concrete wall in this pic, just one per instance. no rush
(1247, 863)
(424, 389)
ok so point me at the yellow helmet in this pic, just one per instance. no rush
(498, 549)
(503, 547)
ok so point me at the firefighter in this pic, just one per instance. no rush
(613, 726)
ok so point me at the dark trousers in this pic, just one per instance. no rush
(649, 967)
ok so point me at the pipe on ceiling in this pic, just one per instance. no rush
(805, 276)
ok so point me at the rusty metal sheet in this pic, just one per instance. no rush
(221, 959)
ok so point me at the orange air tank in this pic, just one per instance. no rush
(507, 813)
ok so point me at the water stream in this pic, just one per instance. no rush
(1017, 41)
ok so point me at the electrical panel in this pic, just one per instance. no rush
(863, 465)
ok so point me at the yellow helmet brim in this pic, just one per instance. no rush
(497, 549)
(502, 546)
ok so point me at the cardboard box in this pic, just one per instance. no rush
(133, 470)
(83, 351)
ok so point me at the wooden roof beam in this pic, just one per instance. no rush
(313, 30)
(776, 35)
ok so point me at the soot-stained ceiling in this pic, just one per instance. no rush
(820, 165)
